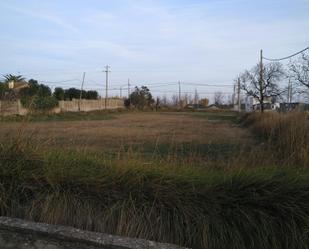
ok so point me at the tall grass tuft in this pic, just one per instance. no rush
(189, 206)
(285, 135)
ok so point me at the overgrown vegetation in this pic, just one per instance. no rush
(284, 135)
(200, 208)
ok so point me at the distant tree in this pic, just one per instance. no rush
(264, 88)
(71, 93)
(59, 93)
(35, 89)
(92, 94)
(218, 98)
(300, 70)
(140, 98)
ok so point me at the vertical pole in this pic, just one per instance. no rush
(289, 86)
(234, 97)
(129, 88)
(129, 92)
(106, 84)
(291, 92)
(261, 82)
(121, 92)
(179, 94)
(81, 91)
(238, 94)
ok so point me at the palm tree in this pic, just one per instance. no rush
(15, 78)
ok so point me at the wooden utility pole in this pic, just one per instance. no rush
(81, 91)
(129, 88)
(106, 84)
(196, 99)
(238, 94)
(234, 97)
(261, 81)
(290, 91)
(179, 94)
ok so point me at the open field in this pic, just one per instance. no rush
(142, 132)
(202, 180)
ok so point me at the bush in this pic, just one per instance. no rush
(39, 103)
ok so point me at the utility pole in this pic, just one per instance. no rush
(238, 94)
(81, 91)
(129, 88)
(196, 99)
(106, 83)
(179, 94)
(121, 92)
(261, 82)
(290, 91)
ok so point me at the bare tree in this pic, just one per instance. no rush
(264, 87)
(218, 98)
(300, 70)
(175, 100)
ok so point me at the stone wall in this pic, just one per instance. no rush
(21, 234)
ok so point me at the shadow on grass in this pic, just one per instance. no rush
(218, 116)
(67, 116)
(186, 150)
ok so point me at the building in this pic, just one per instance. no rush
(16, 86)
(253, 104)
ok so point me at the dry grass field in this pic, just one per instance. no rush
(137, 130)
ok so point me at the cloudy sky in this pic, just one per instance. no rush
(150, 42)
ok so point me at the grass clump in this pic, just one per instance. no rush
(189, 206)
(285, 135)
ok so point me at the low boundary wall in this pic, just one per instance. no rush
(12, 108)
(75, 105)
(21, 234)
(86, 105)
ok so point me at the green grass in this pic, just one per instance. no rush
(158, 200)
(66, 116)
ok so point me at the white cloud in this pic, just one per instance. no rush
(43, 15)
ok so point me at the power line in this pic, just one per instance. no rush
(287, 57)
(61, 81)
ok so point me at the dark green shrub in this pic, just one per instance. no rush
(39, 103)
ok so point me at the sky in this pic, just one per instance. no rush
(151, 42)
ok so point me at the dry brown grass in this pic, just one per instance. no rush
(285, 136)
(128, 129)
